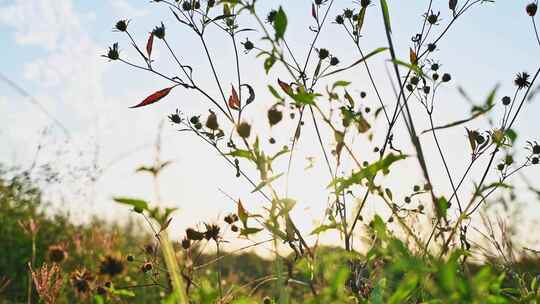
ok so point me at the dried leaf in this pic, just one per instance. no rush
(155, 97)
(234, 101)
(413, 57)
(149, 45)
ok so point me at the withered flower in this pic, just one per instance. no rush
(82, 281)
(57, 253)
(212, 232)
(121, 25)
(159, 31)
(212, 122)
(522, 80)
(111, 265)
(244, 129)
(531, 9)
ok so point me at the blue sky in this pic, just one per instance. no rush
(53, 48)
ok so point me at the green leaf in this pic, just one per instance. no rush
(367, 173)
(280, 24)
(324, 228)
(340, 83)
(512, 135)
(248, 231)
(386, 15)
(372, 53)
(138, 205)
(241, 153)
(266, 182)
(269, 63)
(442, 206)
(274, 92)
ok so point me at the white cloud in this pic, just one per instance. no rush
(123, 9)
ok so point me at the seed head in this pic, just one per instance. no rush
(446, 77)
(248, 45)
(159, 31)
(536, 149)
(522, 80)
(365, 3)
(111, 265)
(271, 17)
(274, 116)
(212, 232)
(243, 129)
(534, 160)
(212, 122)
(186, 5)
(57, 253)
(334, 61)
(340, 19)
(323, 54)
(431, 47)
(531, 9)
(113, 53)
(121, 25)
(348, 13)
(506, 100)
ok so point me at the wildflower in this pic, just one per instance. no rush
(243, 129)
(159, 31)
(522, 80)
(111, 265)
(121, 25)
(274, 116)
(446, 77)
(531, 9)
(57, 253)
(323, 54)
(334, 61)
(211, 121)
(506, 100)
(82, 281)
(113, 53)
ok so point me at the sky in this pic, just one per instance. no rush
(52, 49)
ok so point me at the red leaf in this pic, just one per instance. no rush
(313, 11)
(149, 45)
(285, 87)
(234, 101)
(154, 97)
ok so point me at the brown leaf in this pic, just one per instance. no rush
(149, 45)
(234, 101)
(413, 57)
(285, 87)
(155, 97)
